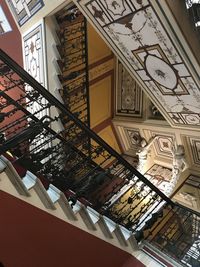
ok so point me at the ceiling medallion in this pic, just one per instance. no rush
(160, 71)
(116, 7)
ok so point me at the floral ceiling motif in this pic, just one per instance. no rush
(140, 39)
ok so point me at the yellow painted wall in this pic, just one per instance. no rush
(100, 91)
(100, 101)
(108, 136)
(97, 47)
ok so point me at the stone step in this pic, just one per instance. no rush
(58, 196)
(54, 202)
(32, 182)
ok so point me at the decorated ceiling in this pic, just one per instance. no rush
(23, 10)
(139, 37)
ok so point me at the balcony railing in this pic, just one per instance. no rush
(175, 232)
(73, 51)
(62, 157)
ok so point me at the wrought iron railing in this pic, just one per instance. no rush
(176, 232)
(74, 62)
(62, 157)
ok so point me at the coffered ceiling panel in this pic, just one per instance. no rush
(193, 147)
(160, 152)
(132, 136)
(163, 143)
(25, 9)
(138, 34)
(129, 94)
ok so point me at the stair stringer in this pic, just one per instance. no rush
(54, 202)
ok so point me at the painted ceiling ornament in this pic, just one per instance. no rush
(184, 108)
(160, 71)
(33, 67)
(128, 91)
(32, 47)
(164, 144)
(193, 119)
(131, 24)
(98, 14)
(116, 7)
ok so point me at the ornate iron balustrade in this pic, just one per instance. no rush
(62, 158)
(74, 62)
(176, 232)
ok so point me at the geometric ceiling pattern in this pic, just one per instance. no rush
(130, 137)
(34, 64)
(163, 143)
(130, 100)
(23, 10)
(140, 39)
(193, 144)
(129, 132)
(128, 94)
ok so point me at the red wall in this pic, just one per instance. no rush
(30, 237)
(11, 42)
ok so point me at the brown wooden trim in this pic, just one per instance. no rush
(101, 61)
(105, 124)
(103, 76)
(156, 256)
(102, 125)
(117, 138)
(112, 93)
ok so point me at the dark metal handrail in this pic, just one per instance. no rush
(74, 62)
(63, 158)
(37, 86)
(175, 232)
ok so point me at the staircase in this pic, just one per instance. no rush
(96, 174)
(93, 188)
(53, 201)
(73, 62)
